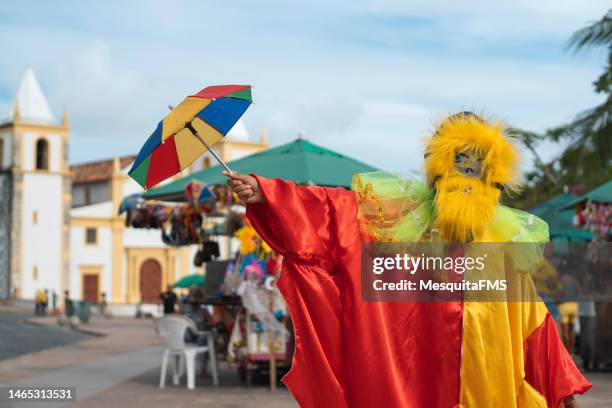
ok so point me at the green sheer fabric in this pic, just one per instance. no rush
(394, 209)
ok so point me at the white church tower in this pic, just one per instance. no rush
(35, 195)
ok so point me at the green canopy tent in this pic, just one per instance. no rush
(560, 219)
(601, 194)
(300, 161)
(190, 280)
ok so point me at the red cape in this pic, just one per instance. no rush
(371, 354)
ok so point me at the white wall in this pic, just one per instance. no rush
(100, 210)
(41, 242)
(237, 153)
(99, 254)
(142, 238)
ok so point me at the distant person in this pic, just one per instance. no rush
(569, 310)
(139, 312)
(183, 299)
(548, 284)
(39, 301)
(103, 305)
(169, 299)
(195, 310)
(68, 306)
(36, 302)
(45, 302)
(54, 302)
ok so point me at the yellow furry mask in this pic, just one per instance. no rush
(468, 162)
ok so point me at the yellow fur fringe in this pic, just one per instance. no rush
(465, 206)
(500, 156)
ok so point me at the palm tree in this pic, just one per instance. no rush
(530, 140)
(598, 33)
(587, 159)
(593, 128)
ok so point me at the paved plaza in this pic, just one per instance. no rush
(117, 365)
(27, 338)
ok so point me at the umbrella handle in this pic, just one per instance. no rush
(212, 152)
(197, 135)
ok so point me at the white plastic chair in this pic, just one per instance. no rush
(172, 328)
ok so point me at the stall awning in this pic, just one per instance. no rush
(601, 194)
(560, 219)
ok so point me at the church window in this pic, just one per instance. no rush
(42, 154)
(91, 236)
(206, 162)
(35, 273)
(34, 217)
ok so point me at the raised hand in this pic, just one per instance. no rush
(245, 186)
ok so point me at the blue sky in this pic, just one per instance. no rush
(368, 78)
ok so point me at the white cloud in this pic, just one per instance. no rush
(503, 18)
(392, 108)
(366, 78)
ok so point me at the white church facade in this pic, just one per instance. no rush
(59, 226)
(35, 195)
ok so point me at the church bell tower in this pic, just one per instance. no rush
(35, 195)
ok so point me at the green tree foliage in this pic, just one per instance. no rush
(587, 159)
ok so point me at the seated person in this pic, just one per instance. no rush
(196, 311)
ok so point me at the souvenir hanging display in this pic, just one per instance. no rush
(225, 197)
(255, 260)
(232, 223)
(183, 227)
(253, 277)
(181, 224)
(208, 251)
(597, 218)
(141, 214)
(201, 197)
(129, 202)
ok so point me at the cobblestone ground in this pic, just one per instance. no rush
(600, 396)
(119, 367)
(114, 336)
(143, 391)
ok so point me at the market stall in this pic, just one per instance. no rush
(592, 213)
(248, 311)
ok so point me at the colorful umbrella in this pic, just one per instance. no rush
(190, 280)
(193, 126)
